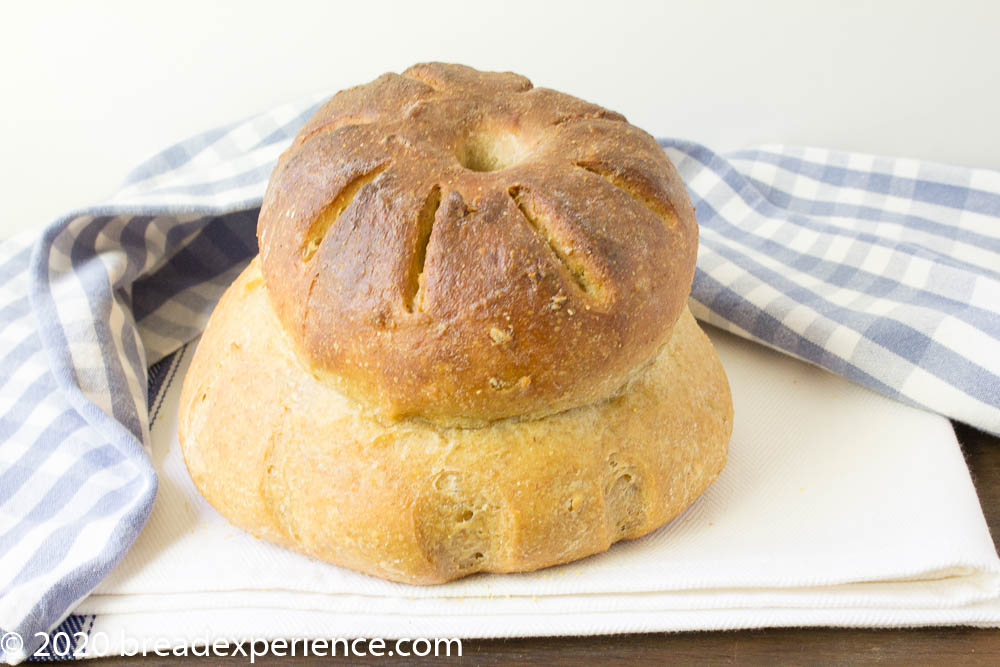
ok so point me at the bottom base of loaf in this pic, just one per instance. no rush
(281, 454)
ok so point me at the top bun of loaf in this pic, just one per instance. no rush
(459, 246)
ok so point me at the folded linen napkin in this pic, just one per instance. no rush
(882, 270)
(837, 507)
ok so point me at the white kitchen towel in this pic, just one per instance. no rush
(837, 507)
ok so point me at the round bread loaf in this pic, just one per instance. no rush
(290, 459)
(464, 346)
(460, 246)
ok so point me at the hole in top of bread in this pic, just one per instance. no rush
(491, 151)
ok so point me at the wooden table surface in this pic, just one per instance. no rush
(827, 646)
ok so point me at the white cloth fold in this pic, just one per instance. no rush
(837, 507)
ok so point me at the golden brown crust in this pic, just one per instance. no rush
(422, 284)
(288, 458)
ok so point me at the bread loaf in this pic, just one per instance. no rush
(464, 346)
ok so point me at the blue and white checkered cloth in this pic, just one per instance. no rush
(886, 271)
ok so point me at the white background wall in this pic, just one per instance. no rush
(90, 89)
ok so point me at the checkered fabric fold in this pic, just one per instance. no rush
(886, 271)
